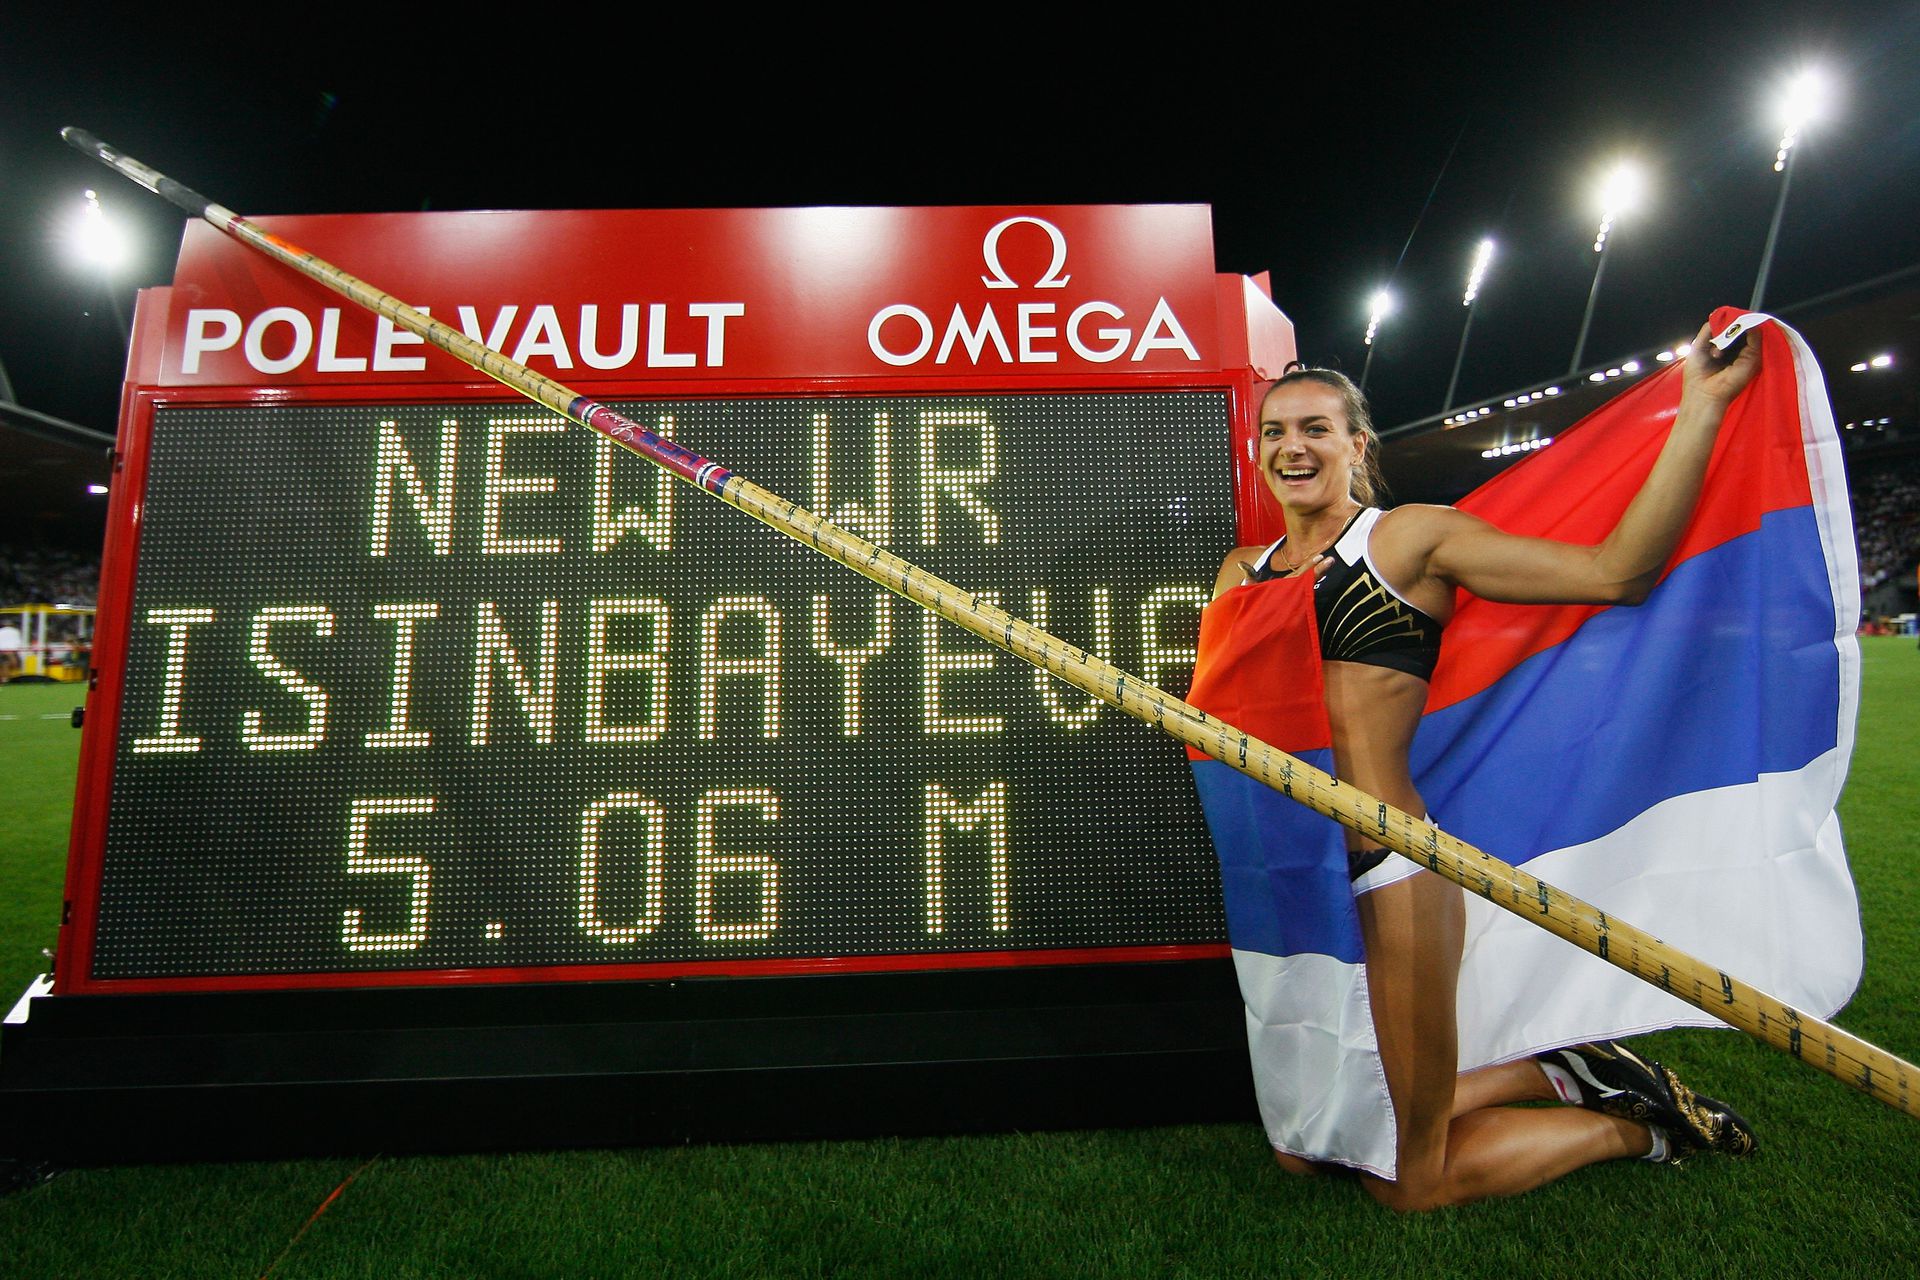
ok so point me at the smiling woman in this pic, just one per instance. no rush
(1368, 487)
(1383, 585)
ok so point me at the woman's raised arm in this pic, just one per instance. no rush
(1465, 551)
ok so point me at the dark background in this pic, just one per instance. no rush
(1339, 153)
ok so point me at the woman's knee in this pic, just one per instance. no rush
(1296, 1166)
(1409, 1194)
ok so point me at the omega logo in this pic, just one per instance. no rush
(903, 334)
(990, 251)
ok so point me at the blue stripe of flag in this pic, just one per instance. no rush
(1283, 867)
(1727, 672)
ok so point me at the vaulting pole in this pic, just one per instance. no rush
(1818, 1043)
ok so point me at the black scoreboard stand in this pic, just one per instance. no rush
(449, 785)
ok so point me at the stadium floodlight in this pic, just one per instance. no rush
(100, 247)
(1620, 192)
(1379, 307)
(96, 240)
(1803, 98)
(1482, 258)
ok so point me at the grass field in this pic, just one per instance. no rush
(1835, 1191)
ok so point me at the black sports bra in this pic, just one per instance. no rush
(1361, 618)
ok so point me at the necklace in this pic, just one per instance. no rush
(1294, 567)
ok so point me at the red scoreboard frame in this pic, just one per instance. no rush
(755, 306)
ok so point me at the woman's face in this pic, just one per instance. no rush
(1307, 452)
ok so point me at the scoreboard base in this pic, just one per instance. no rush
(107, 1078)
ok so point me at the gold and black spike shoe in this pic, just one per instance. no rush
(1619, 1082)
(1723, 1128)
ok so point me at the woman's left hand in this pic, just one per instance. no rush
(1712, 375)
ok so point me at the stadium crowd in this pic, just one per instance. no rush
(40, 575)
(1886, 524)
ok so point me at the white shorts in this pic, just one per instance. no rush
(1392, 871)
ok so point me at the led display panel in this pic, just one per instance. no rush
(458, 686)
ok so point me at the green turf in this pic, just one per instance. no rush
(1835, 1191)
(39, 753)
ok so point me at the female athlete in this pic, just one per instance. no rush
(1384, 592)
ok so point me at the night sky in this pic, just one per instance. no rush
(1338, 154)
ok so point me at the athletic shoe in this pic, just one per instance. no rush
(1726, 1131)
(1619, 1082)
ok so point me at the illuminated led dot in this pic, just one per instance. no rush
(495, 931)
(710, 864)
(252, 732)
(362, 863)
(851, 659)
(435, 511)
(941, 811)
(763, 665)
(498, 486)
(494, 651)
(603, 664)
(173, 682)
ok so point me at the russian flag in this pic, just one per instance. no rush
(1677, 764)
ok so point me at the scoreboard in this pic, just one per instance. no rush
(459, 687)
(404, 682)
(452, 779)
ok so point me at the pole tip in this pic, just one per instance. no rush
(81, 140)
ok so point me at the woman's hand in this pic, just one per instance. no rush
(1711, 376)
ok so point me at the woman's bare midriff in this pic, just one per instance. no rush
(1374, 712)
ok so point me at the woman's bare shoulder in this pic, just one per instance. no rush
(1423, 524)
(1235, 569)
(1420, 515)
